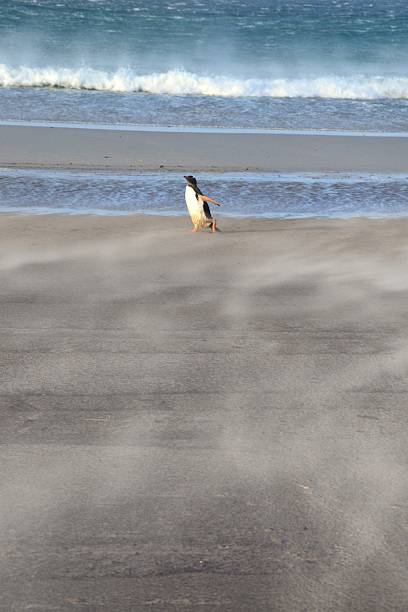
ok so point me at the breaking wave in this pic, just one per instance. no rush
(180, 82)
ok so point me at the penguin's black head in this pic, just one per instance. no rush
(191, 179)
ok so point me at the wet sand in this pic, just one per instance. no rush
(203, 422)
(189, 151)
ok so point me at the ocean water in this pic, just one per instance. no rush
(244, 63)
(43, 104)
(271, 64)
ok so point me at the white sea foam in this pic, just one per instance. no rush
(180, 82)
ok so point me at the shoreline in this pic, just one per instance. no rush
(133, 127)
(84, 148)
(31, 212)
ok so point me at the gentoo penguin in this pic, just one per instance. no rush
(197, 204)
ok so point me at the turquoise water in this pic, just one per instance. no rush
(239, 38)
(320, 64)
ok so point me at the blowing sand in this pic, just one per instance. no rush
(144, 149)
(203, 421)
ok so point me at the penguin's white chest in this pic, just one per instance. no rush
(195, 208)
(193, 203)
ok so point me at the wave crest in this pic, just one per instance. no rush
(180, 82)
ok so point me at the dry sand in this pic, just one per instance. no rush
(203, 422)
(63, 147)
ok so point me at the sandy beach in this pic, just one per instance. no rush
(202, 422)
(147, 149)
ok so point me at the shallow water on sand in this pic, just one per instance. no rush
(242, 195)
